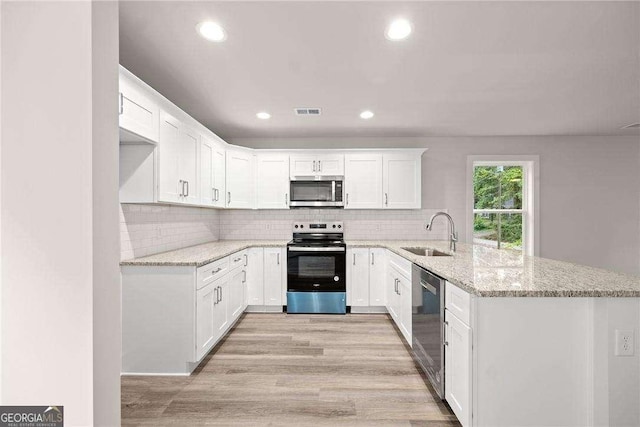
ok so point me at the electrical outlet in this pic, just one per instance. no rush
(624, 342)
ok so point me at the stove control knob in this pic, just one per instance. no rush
(296, 226)
(339, 226)
(302, 226)
(334, 226)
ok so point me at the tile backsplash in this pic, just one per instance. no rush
(358, 224)
(150, 229)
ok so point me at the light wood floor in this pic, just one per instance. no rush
(302, 370)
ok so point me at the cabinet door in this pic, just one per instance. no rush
(358, 277)
(207, 191)
(205, 330)
(402, 181)
(255, 276)
(221, 314)
(273, 275)
(301, 165)
(219, 175)
(458, 368)
(169, 181)
(404, 298)
(239, 179)
(139, 114)
(330, 165)
(392, 295)
(188, 166)
(363, 181)
(272, 182)
(377, 277)
(237, 281)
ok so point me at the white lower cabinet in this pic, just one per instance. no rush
(365, 278)
(398, 285)
(377, 277)
(274, 276)
(266, 279)
(206, 333)
(458, 367)
(237, 281)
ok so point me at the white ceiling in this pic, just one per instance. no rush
(468, 68)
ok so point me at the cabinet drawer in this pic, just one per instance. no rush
(211, 272)
(458, 302)
(402, 265)
(238, 259)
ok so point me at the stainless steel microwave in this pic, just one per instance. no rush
(326, 192)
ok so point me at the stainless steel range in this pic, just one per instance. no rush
(316, 268)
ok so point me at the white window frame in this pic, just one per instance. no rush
(530, 195)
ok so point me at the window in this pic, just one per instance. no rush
(502, 198)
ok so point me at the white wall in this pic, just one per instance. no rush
(60, 282)
(149, 229)
(589, 199)
(107, 327)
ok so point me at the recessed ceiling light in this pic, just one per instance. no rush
(398, 29)
(263, 115)
(211, 31)
(366, 114)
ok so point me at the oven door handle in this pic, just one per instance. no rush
(312, 249)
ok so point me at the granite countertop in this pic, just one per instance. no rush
(203, 254)
(480, 270)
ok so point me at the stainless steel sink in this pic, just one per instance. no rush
(426, 252)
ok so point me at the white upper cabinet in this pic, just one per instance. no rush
(188, 157)
(212, 173)
(272, 183)
(139, 113)
(240, 179)
(401, 181)
(178, 162)
(170, 185)
(207, 192)
(302, 165)
(363, 181)
(219, 174)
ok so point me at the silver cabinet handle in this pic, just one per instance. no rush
(229, 195)
(187, 194)
(319, 166)
(386, 199)
(181, 183)
(347, 199)
(354, 259)
(213, 194)
(278, 258)
(217, 194)
(220, 287)
(244, 278)
(373, 259)
(237, 259)
(246, 260)
(217, 270)
(396, 286)
(286, 199)
(216, 301)
(121, 106)
(444, 333)
(314, 165)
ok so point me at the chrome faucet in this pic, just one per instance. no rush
(453, 238)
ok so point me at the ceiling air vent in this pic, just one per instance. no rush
(632, 126)
(308, 111)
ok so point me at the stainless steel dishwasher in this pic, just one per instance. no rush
(427, 325)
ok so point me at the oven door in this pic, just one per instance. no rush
(316, 268)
